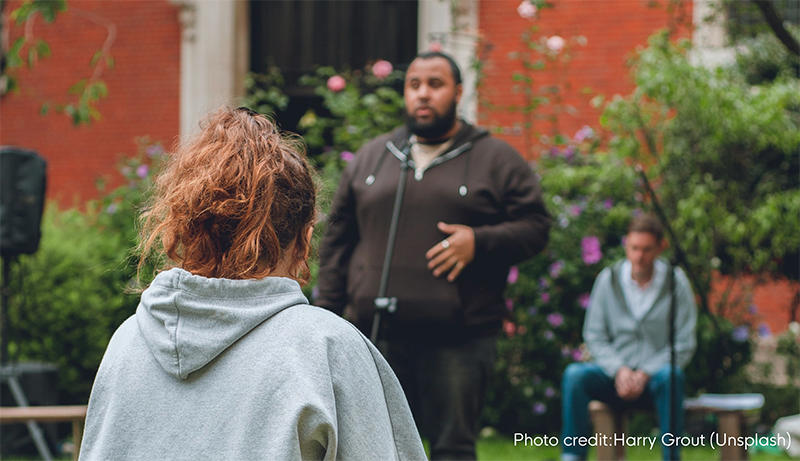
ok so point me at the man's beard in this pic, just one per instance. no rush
(434, 129)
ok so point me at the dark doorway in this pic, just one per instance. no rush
(299, 36)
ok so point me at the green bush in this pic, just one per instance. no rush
(71, 295)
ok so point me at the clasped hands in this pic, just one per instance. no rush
(630, 384)
(453, 253)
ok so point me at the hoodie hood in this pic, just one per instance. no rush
(187, 320)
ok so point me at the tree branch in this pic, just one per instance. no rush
(776, 23)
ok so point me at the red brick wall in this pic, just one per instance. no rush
(143, 92)
(613, 30)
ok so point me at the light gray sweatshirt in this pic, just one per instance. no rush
(615, 337)
(243, 370)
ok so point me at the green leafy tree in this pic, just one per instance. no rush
(26, 50)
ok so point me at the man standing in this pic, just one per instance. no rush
(468, 208)
(627, 329)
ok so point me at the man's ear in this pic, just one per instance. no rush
(459, 92)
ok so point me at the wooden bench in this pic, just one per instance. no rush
(76, 414)
(731, 418)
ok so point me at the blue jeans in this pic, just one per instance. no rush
(584, 382)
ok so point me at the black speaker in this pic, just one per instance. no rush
(22, 185)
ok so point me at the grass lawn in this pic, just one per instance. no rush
(498, 448)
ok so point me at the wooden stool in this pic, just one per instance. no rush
(76, 414)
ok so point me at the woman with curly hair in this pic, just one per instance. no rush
(224, 358)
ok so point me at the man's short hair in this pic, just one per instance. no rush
(647, 223)
(437, 54)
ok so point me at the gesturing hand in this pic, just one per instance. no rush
(453, 253)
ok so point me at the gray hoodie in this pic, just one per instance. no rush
(243, 370)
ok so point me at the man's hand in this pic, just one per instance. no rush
(453, 253)
(630, 384)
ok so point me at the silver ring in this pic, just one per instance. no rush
(445, 244)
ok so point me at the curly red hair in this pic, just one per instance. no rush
(232, 201)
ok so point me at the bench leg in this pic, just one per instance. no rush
(730, 425)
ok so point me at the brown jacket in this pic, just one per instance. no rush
(480, 182)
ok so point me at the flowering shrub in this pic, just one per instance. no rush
(591, 198)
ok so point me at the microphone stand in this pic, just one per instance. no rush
(678, 259)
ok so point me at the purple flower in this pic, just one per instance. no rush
(549, 392)
(566, 352)
(532, 311)
(382, 69)
(584, 133)
(510, 304)
(753, 309)
(548, 335)
(608, 203)
(142, 170)
(555, 320)
(315, 292)
(577, 355)
(111, 208)
(539, 408)
(545, 297)
(574, 210)
(544, 283)
(590, 247)
(764, 331)
(513, 275)
(583, 300)
(740, 334)
(347, 156)
(568, 153)
(555, 269)
(154, 150)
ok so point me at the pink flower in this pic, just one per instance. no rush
(521, 330)
(583, 300)
(142, 170)
(545, 297)
(590, 247)
(510, 329)
(436, 47)
(510, 304)
(555, 320)
(577, 355)
(575, 210)
(555, 269)
(347, 156)
(526, 9)
(382, 69)
(336, 84)
(584, 133)
(513, 275)
(555, 44)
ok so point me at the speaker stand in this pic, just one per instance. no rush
(9, 374)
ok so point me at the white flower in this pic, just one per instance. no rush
(555, 43)
(526, 9)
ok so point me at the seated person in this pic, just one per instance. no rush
(224, 358)
(627, 332)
